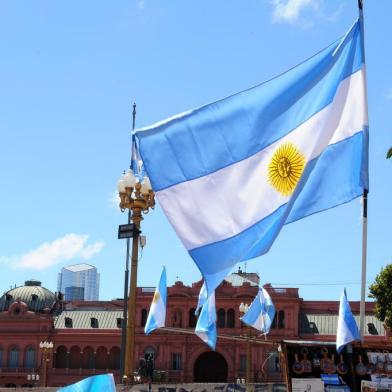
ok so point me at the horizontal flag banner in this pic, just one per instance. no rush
(213, 198)
(230, 174)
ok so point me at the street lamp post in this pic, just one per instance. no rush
(137, 196)
(46, 348)
(243, 308)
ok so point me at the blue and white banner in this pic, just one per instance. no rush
(230, 174)
(261, 312)
(157, 314)
(206, 323)
(100, 383)
(136, 161)
(347, 331)
(202, 298)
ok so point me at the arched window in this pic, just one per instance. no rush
(273, 325)
(61, 358)
(177, 318)
(143, 318)
(230, 318)
(281, 319)
(272, 362)
(88, 358)
(149, 351)
(29, 362)
(114, 358)
(192, 318)
(101, 358)
(75, 358)
(221, 318)
(13, 358)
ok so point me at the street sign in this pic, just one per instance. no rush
(127, 231)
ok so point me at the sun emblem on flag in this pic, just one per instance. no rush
(156, 297)
(285, 168)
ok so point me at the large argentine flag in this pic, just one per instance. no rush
(231, 173)
(261, 312)
(157, 314)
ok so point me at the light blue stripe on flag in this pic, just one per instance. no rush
(100, 383)
(230, 174)
(157, 314)
(216, 135)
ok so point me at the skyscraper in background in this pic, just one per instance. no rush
(79, 282)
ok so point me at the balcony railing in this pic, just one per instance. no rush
(5, 370)
(80, 371)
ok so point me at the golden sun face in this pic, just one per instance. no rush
(285, 168)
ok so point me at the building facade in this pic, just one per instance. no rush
(79, 282)
(86, 335)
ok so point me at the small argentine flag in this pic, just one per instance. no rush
(202, 299)
(206, 323)
(100, 383)
(157, 315)
(261, 312)
(347, 327)
(229, 175)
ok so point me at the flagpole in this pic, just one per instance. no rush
(126, 286)
(364, 198)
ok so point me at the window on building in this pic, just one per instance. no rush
(192, 318)
(230, 318)
(119, 322)
(143, 317)
(61, 357)
(30, 358)
(149, 350)
(221, 318)
(1, 357)
(242, 362)
(372, 329)
(177, 318)
(272, 362)
(94, 322)
(281, 323)
(13, 358)
(176, 361)
(68, 322)
(273, 325)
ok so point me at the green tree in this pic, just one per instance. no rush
(381, 291)
(389, 153)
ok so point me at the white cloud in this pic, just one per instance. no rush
(69, 247)
(290, 10)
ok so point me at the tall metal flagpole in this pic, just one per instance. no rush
(364, 198)
(126, 286)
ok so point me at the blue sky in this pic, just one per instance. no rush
(69, 73)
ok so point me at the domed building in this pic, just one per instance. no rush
(37, 298)
(85, 336)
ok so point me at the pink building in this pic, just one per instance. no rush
(87, 335)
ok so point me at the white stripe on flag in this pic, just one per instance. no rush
(195, 206)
